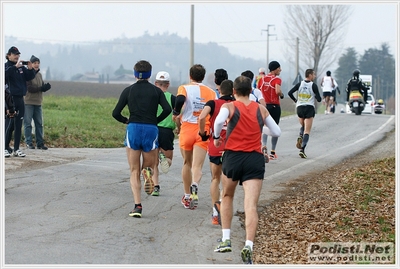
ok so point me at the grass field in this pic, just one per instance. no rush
(77, 114)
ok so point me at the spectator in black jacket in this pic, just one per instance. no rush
(17, 73)
(9, 115)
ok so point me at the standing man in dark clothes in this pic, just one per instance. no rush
(308, 93)
(16, 76)
(9, 115)
(141, 140)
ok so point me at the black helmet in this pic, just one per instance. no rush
(356, 73)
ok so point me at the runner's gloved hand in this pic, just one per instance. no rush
(204, 137)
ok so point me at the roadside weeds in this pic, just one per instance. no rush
(356, 204)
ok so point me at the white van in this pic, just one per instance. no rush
(369, 107)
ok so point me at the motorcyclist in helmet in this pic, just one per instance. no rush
(355, 83)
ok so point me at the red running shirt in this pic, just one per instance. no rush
(267, 87)
(245, 128)
(212, 150)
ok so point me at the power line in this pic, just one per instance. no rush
(121, 41)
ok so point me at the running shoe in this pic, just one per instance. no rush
(299, 142)
(185, 202)
(194, 198)
(164, 163)
(217, 206)
(224, 246)
(148, 181)
(7, 154)
(247, 254)
(214, 220)
(19, 153)
(302, 155)
(265, 152)
(273, 156)
(136, 213)
(156, 191)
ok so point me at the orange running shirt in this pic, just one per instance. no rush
(197, 95)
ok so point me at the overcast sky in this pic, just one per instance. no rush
(237, 26)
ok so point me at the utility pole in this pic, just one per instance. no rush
(192, 37)
(268, 35)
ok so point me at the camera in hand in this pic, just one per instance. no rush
(24, 62)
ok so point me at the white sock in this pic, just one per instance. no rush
(226, 234)
(249, 243)
(187, 196)
(195, 183)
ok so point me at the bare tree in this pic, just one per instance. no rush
(320, 29)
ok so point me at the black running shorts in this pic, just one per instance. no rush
(325, 94)
(215, 160)
(166, 138)
(275, 112)
(305, 112)
(242, 166)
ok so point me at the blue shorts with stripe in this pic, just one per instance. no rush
(141, 136)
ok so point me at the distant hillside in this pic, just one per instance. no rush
(167, 52)
(95, 90)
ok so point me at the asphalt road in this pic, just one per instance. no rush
(74, 208)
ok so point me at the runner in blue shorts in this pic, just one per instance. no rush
(142, 99)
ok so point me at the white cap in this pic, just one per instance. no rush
(261, 70)
(162, 76)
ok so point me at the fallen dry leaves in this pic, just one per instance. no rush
(341, 205)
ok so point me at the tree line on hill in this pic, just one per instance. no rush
(170, 52)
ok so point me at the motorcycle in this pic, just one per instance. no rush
(356, 102)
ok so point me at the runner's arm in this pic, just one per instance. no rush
(122, 102)
(223, 115)
(180, 100)
(293, 90)
(271, 128)
(259, 96)
(202, 118)
(278, 90)
(316, 92)
(165, 107)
